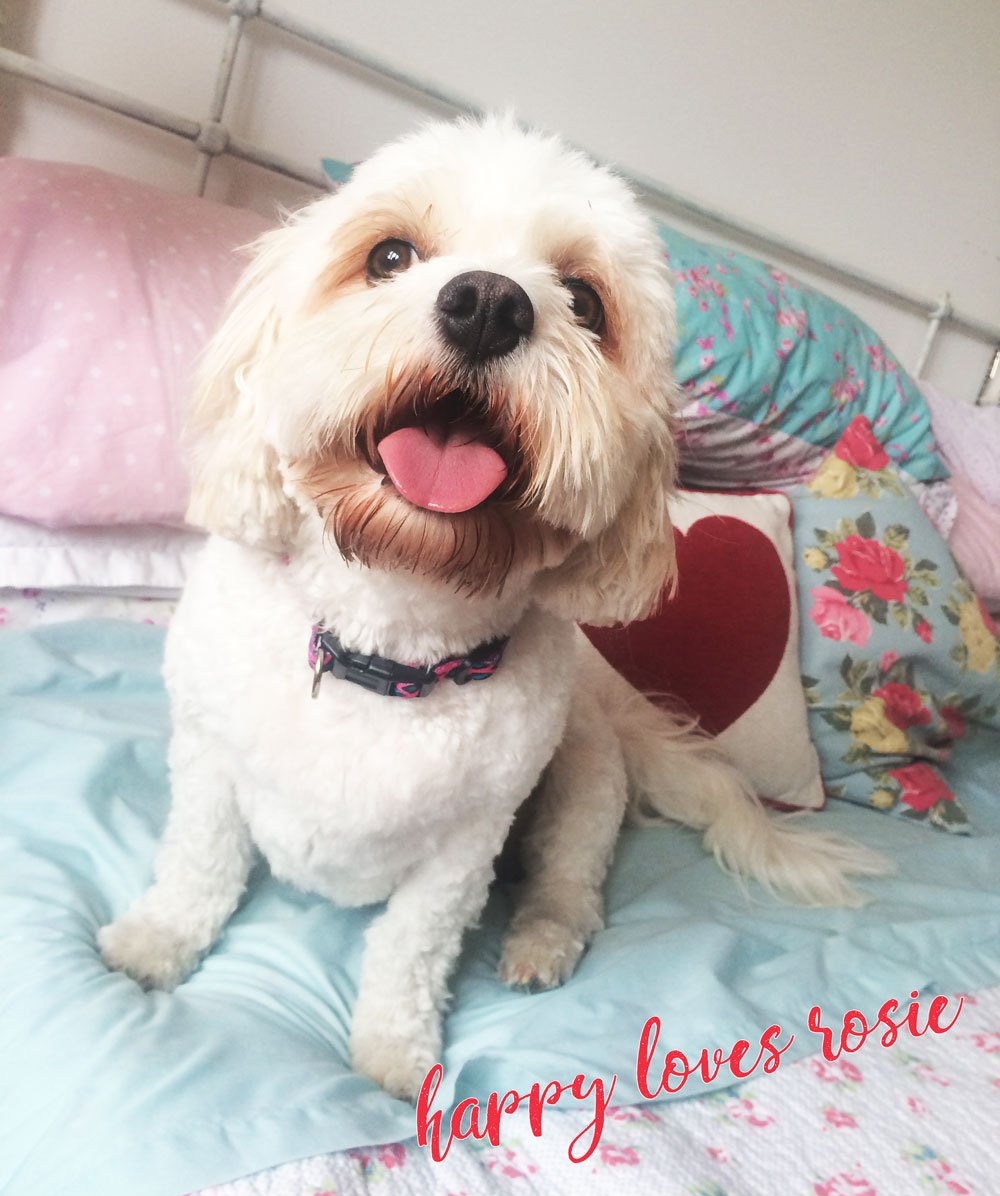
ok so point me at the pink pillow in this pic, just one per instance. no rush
(975, 541)
(108, 291)
(969, 440)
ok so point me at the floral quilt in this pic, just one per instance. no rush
(918, 1119)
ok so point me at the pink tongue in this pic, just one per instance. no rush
(441, 468)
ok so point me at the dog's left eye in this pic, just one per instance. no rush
(586, 304)
(390, 257)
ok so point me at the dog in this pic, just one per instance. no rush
(435, 431)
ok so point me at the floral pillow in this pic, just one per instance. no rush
(900, 660)
(775, 373)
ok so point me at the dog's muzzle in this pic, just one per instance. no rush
(484, 315)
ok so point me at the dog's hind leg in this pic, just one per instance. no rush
(202, 866)
(566, 851)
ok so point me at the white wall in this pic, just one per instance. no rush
(868, 131)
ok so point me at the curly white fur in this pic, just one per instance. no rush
(364, 798)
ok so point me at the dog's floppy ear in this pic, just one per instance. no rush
(620, 575)
(236, 489)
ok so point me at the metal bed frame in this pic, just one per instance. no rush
(211, 138)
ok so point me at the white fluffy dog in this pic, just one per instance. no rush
(434, 430)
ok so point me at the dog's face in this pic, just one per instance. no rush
(462, 362)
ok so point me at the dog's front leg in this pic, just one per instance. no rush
(566, 851)
(410, 951)
(201, 870)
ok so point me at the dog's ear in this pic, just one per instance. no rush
(236, 488)
(621, 574)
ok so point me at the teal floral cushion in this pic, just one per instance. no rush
(900, 661)
(775, 373)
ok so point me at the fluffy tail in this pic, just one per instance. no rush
(676, 773)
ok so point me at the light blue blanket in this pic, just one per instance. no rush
(108, 1090)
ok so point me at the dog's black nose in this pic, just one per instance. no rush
(483, 314)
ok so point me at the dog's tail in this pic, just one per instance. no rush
(676, 773)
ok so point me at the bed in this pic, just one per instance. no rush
(878, 711)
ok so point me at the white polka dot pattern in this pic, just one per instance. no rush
(109, 290)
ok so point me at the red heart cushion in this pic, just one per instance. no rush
(717, 643)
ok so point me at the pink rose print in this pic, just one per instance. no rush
(922, 786)
(954, 720)
(887, 660)
(392, 1156)
(916, 1106)
(880, 359)
(389, 1156)
(903, 706)
(845, 1185)
(700, 281)
(505, 1165)
(845, 390)
(837, 619)
(869, 565)
(743, 1110)
(939, 1171)
(859, 447)
(788, 317)
(926, 1072)
(924, 630)
(839, 1119)
(615, 1156)
(631, 1113)
(835, 1071)
(717, 1154)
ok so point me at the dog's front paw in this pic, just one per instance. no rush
(540, 954)
(149, 952)
(394, 1060)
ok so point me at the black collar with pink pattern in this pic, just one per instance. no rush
(391, 679)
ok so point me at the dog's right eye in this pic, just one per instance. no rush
(390, 257)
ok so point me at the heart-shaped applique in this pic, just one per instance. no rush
(717, 643)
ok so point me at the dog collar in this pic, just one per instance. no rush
(379, 675)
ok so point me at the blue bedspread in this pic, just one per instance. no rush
(109, 1090)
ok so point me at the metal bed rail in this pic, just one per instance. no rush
(211, 137)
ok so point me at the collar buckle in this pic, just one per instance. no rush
(374, 673)
(389, 678)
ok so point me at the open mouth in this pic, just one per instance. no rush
(444, 458)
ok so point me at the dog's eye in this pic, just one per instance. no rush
(586, 304)
(390, 257)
